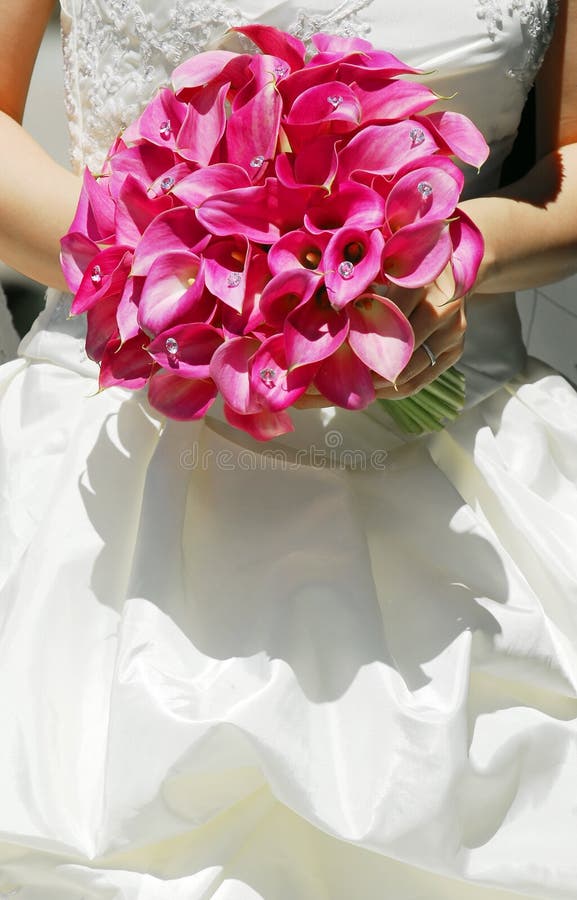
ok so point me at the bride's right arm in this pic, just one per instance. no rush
(37, 196)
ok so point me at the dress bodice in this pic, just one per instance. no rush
(482, 54)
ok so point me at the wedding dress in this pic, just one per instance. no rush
(339, 665)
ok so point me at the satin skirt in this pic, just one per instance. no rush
(341, 665)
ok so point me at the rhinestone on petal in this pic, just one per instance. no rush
(257, 161)
(425, 189)
(233, 279)
(281, 69)
(417, 136)
(346, 269)
(96, 276)
(267, 377)
(171, 346)
(167, 184)
(335, 100)
(165, 129)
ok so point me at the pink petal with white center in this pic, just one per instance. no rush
(203, 126)
(135, 210)
(160, 121)
(230, 370)
(77, 252)
(352, 261)
(459, 135)
(101, 327)
(380, 335)
(332, 103)
(383, 149)
(264, 425)
(313, 331)
(345, 380)
(126, 365)
(425, 193)
(252, 131)
(105, 276)
(353, 205)
(186, 350)
(226, 264)
(417, 254)
(393, 100)
(276, 43)
(127, 312)
(252, 212)
(176, 230)
(270, 380)
(468, 250)
(297, 250)
(209, 182)
(285, 292)
(174, 285)
(183, 399)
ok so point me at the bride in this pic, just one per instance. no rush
(345, 669)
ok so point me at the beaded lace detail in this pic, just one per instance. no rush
(537, 21)
(117, 54)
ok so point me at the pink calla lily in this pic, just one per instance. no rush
(332, 103)
(270, 379)
(94, 216)
(145, 162)
(380, 335)
(459, 136)
(230, 370)
(313, 331)
(253, 212)
(285, 292)
(252, 131)
(210, 182)
(297, 250)
(226, 265)
(203, 126)
(394, 100)
(175, 230)
(417, 254)
(213, 66)
(76, 253)
(127, 310)
(250, 317)
(425, 193)
(345, 380)
(383, 149)
(315, 166)
(468, 249)
(183, 399)
(352, 261)
(159, 123)
(105, 276)
(173, 287)
(101, 327)
(186, 350)
(135, 210)
(353, 204)
(125, 365)
(273, 42)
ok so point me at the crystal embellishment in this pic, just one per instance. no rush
(425, 189)
(335, 100)
(165, 130)
(346, 269)
(96, 276)
(417, 136)
(171, 346)
(233, 279)
(281, 69)
(257, 161)
(267, 376)
(167, 184)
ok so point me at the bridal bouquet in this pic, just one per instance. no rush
(233, 239)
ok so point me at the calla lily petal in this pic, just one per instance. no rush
(186, 350)
(172, 231)
(230, 370)
(313, 331)
(101, 327)
(274, 42)
(417, 254)
(297, 250)
(263, 425)
(285, 292)
(425, 193)
(105, 277)
(77, 251)
(353, 204)
(183, 399)
(460, 136)
(173, 287)
(352, 261)
(383, 149)
(125, 365)
(127, 311)
(203, 126)
(380, 335)
(270, 378)
(345, 380)
(468, 249)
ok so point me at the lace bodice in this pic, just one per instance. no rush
(118, 52)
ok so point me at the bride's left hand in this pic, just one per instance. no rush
(434, 319)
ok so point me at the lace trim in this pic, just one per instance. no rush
(537, 21)
(116, 55)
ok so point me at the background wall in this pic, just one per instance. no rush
(549, 315)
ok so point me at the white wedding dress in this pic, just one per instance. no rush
(338, 666)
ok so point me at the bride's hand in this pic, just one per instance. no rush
(434, 319)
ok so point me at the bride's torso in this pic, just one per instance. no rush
(484, 52)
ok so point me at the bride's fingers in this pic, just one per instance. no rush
(422, 378)
(451, 336)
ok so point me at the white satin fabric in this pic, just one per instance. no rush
(339, 665)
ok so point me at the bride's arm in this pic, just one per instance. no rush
(530, 227)
(38, 197)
